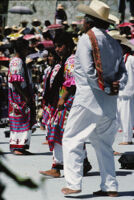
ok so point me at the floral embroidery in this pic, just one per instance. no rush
(68, 73)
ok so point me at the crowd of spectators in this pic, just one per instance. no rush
(40, 37)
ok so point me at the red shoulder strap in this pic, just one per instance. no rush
(126, 57)
(97, 58)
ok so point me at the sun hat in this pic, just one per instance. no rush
(131, 19)
(55, 26)
(123, 40)
(15, 28)
(128, 44)
(116, 35)
(7, 27)
(97, 9)
(114, 18)
(36, 22)
(15, 36)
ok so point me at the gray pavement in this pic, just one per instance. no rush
(29, 166)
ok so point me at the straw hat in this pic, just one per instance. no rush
(14, 36)
(3, 69)
(128, 44)
(131, 19)
(29, 60)
(15, 28)
(114, 18)
(97, 9)
(117, 36)
(40, 60)
(36, 22)
(74, 23)
(7, 27)
(65, 23)
(123, 40)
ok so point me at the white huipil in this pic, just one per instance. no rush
(126, 103)
(93, 113)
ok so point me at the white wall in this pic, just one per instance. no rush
(46, 10)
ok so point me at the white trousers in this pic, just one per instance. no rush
(82, 124)
(58, 154)
(126, 117)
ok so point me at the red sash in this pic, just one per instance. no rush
(126, 57)
(97, 58)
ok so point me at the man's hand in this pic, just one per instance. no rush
(115, 87)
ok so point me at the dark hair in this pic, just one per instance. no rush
(126, 49)
(36, 23)
(65, 39)
(51, 95)
(54, 54)
(24, 24)
(7, 31)
(61, 14)
(40, 46)
(20, 46)
(47, 35)
(96, 22)
(47, 23)
(1, 37)
(125, 30)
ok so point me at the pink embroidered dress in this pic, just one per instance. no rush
(19, 113)
(58, 121)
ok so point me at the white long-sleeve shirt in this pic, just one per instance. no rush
(128, 90)
(88, 94)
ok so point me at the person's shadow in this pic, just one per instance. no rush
(88, 196)
(118, 173)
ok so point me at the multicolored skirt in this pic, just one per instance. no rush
(19, 119)
(57, 124)
(48, 113)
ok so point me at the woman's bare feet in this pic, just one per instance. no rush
(22, 152)
(45, 142)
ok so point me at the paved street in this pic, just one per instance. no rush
(29, 166)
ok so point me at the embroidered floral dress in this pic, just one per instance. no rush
(58, 121)
(49, 109)
(19, 113)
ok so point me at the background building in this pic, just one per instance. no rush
(45, 9)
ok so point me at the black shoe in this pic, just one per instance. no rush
(86, 167)
(104, 193)
(7, 133)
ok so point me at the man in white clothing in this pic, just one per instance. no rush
(126, 97)
(99, 74)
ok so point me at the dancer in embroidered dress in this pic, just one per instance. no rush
(57, 121)
(52, 82)
(21, 104)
